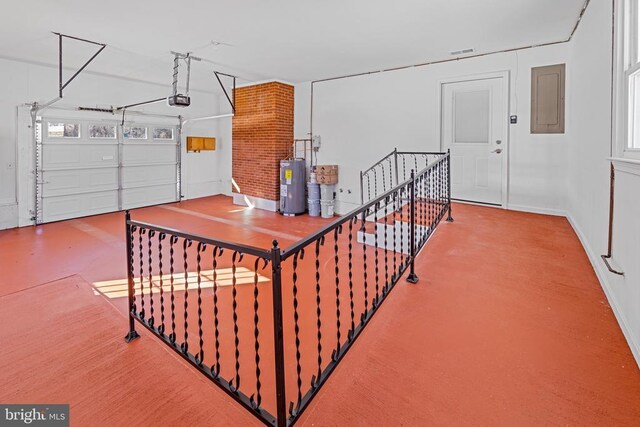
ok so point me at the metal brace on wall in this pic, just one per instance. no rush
(232, 102)
(612, 191)
(61, 36)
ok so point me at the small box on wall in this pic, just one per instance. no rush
(200, 143)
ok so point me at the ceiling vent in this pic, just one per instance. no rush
(462, 52)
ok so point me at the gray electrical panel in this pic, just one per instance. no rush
(292, 186)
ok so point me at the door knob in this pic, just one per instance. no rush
(497, 150)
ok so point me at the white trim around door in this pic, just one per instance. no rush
(505, 78)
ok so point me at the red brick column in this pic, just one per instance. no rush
(262, 136)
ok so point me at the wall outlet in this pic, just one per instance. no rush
(315, 143)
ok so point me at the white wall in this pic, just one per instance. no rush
(360, 119)
(363, 118)
(26, 83)
(590, 146)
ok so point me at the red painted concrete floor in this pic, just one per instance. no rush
(508, 325)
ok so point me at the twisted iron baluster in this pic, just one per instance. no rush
(431, 197)
(404, 169)
(384, 181)
(442, 191)
(386, 246)
(363, 228)
(418, 210)
(297, 255)
(351, 305)
(375, 241)
(185, 345)
(402, 227)
(201, 247)
(161, 237)
(336, 232)
(316, 378)
(140, 234)
(423, 209)
(418, 202)
(395, 242)
(256, 399)
(415, 162)
(390, 173)
(134, 306)
(425, 201)
(368, 187)
(438, 192)
(440, 186)
(152, 319)
(215, 367)
(172, 241)
(375, 182)
(237, 257)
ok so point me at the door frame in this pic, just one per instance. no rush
(505, 76)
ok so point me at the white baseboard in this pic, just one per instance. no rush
(543, 211)
(603, 277)
(257, 202)
(195, 190)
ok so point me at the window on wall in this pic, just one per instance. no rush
(631, 77)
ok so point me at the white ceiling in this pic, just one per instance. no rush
(290, 40)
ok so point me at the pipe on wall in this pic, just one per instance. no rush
(442, 61)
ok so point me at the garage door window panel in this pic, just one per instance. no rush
(134, 133)
(102, 131)
(163, 133)
(63, 130)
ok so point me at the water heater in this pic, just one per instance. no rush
(292, 186)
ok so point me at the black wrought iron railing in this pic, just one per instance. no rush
(391, 170)
(270, 326)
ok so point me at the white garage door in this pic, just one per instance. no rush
(92, 167)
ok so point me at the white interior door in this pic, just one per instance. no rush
(474, 115)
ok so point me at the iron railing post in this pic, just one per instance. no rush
(278, 335)
(132, 335)
(412, 277)
(449, 217)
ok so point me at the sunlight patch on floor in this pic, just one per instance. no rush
(118, 288)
